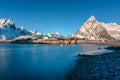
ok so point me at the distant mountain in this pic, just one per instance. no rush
(95, 30)
(54, 35)
(8, 30)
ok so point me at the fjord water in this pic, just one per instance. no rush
(39, 61)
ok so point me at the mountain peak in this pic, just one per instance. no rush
(4, 21)
(92, 18)
(95, 30)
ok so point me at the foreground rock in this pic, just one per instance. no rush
(113, 48)
(97, 67)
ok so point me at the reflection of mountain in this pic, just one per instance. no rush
(94, 30)
(9, 31)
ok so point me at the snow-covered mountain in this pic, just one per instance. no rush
(95, 30)
(9, 31)
(37, 34)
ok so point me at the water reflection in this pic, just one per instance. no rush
(3, 60)
(4, 56)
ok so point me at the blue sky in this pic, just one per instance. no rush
(64, 16)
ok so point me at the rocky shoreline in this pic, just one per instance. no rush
(96, 67)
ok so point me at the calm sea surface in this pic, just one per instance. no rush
(39, 61)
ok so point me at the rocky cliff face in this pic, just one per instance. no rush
(94, 30)
(9, 31)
